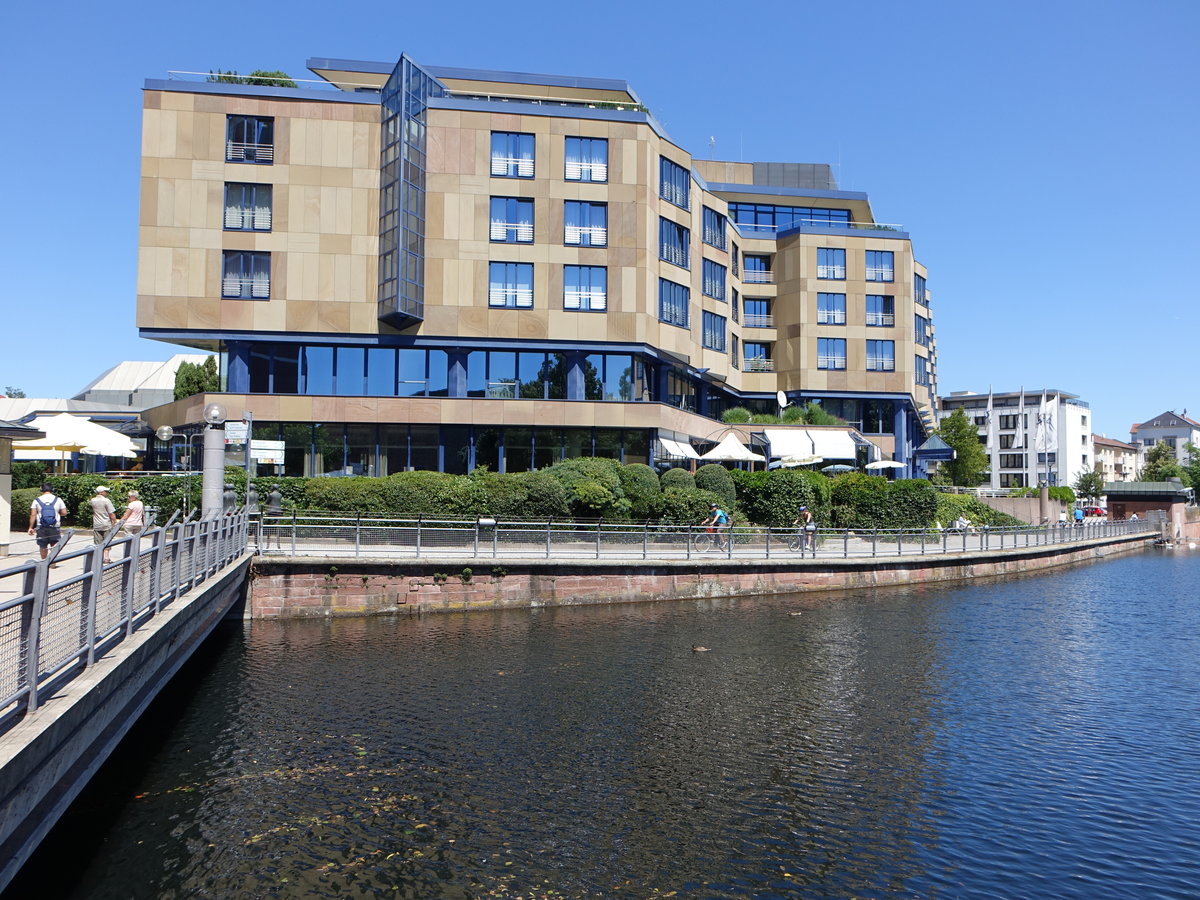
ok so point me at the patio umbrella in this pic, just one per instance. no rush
(731, 449)
(790, 462)
(67, 434)
(885, 464)
(837, 469)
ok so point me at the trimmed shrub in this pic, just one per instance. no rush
(774, 498)
(680, 479)
(640, 484)
(593, 486)
(683, 506)
(870, 501)
(546, 498)
(716, 478)
(951, 506)
(22, 500)
(28, 474)
(736, 415)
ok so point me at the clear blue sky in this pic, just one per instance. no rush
(1043, 155)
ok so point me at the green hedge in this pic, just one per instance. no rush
(774, 498)
(715, 477)
(951, 506)
(677, 478)
(22, 500)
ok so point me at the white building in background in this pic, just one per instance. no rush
(1174, 429)
(139, 384)
(1030, 436)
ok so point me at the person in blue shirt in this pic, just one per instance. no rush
(1078, 515)
(716, 522)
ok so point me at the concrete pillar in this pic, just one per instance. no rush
(456, 375)
(576, 375)
(1044, 503)
(237, 375)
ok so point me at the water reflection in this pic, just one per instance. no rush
(1026, 738)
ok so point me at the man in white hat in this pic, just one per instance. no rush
(104, 517)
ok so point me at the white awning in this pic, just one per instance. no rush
(833, 443)
(678, 449)
(790, 442)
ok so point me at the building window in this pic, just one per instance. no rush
(880, 265)
(714, 280)
(1012, 479)
(1013, 460)
(733, 259)
(512, 155)
(757, 312)
(831, 263)
(674, 182)
(673, 240)
(831, 309)
(881, 356)
(247, 207)
(585, 224)
(246, 275)
(921, 331)
(512, 220)
(672, 303)
(920, 294)
(757, 269)
(250, 139)
(1010, 421)
(585, 288)
(713, 331)
(714, 228)
(831, 353)
(510, 285)
(921, 370)
(1047, 459)
(587, 159)
(734, 356)
(1006, 441)
(757, 357)
(734, 304)
(881, 310)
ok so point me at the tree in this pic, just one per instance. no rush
(193, 378)
(261, 77)
(1089, 485)
(1161, 464)
(1192, 466)
(970, 464)
(11, 391)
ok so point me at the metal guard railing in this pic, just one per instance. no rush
(486, 538)
(52, 630)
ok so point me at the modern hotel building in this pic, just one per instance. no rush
(407, 266)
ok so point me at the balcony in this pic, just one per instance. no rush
(831, 317)
(812, 226)
(502, 390)
(252, 153)
(508, 166)
(880, 273)
(833, 273)
(585, 300)
(879, 364)
(758, 276)
(884, 320)
(758, 321)
(831, 362)
(256, 288)
(759, 364)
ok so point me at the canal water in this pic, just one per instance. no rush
(1034, 737)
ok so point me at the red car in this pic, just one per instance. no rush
(1094, 511)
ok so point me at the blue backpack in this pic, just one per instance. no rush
(48, 517)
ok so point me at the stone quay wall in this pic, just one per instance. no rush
(315, 586)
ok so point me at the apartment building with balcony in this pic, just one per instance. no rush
(393, 263)
(1030, 437)
(1115, 460)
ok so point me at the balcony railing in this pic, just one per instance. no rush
(759, 364)
(512, 232)
(587, 300)
(596, 235)
(521, 298)
(831, 362)
(759, 321)
(587, 171)
(501, 390)
(245, 218)
(881, 273)
(255, 153)
(758, 276)
(510, 165)
(836, 273)
(831, 317)
(881, 319)
(814, 225)
(256, 287)
(880, 364)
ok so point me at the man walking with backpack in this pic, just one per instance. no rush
(45, 519)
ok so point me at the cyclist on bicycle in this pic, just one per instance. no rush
(808, 526)
(715, 523)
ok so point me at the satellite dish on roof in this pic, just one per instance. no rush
(782, 398)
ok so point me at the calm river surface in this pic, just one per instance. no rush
(1031, 738)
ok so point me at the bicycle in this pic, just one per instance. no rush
(704, 541)
(799, 541)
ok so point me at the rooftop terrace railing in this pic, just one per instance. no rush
(61, 614)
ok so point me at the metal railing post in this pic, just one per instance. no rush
(495, 540)
(475, 543)
(37, 585)
(768, 542)
(293, 532)
(597, 540)
(645, 539)
(418, 544)
(358, 535)
(845, 544)
(548, 524)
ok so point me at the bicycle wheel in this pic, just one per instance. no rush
(702, 542)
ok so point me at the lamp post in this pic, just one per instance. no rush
(166, 434)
